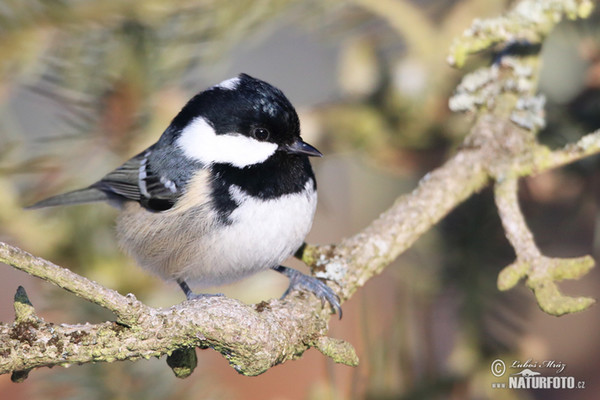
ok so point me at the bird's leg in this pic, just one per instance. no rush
(300, 281)
(191, 295)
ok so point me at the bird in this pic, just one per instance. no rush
(227, 191)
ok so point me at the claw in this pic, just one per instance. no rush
(300, 281)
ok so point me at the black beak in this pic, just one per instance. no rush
(300, 147)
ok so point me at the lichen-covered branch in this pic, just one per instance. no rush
(126, 308)
(500, 147)
(543, 159)
(541, 272)
(528, 21)
(507, 89)
(252, 338)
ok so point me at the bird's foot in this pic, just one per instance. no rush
(193, 296)
(300, 281)
(196, 296)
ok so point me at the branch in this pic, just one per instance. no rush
(528, 21)
(489, 91)
(126, 308)
(542, 272)
(252, 338)
(500, 147)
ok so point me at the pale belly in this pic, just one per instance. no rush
(189, 244)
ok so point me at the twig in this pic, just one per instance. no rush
(542, 272)
(528, 21)
(126, 308)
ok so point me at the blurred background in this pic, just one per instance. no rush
(86, 84)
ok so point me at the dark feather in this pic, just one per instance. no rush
(124, 181)
(80, 196)
(134, 180)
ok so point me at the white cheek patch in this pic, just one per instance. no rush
(229, 84)
(199, 141)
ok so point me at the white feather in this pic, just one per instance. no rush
(190, 243)
(263, 233)
(142, 174)
(229, 84)
(169, 184)
(199, 141)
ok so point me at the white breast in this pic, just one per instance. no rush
(263, 233)
(187, 241)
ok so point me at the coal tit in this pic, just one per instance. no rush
(227, 191)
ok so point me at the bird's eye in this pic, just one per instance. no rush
(260, 134)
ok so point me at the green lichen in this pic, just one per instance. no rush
(338, 350)
(307, 254)
(553, 302)
(511, 275)
(529, 20)
(571, 268)
(24, 311)
(542, 275)
(543, 283)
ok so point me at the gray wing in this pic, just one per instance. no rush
(86, 195)
(138, 180)
(135, 180)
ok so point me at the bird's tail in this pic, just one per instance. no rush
(87, 195)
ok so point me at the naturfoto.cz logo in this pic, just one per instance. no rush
(527, 378)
